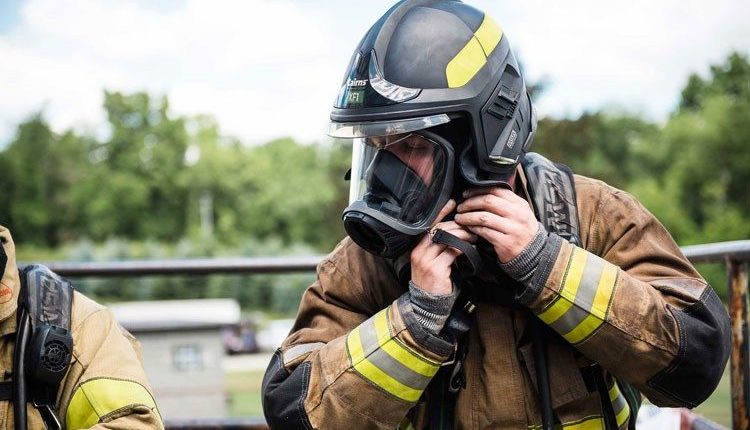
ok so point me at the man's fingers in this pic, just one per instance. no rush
(490, 235)
(498, 191)
(445, 211)
(488, 202)
(447, 257)
(463, 234)
(431, 252)
(427, 250)
(486, 219)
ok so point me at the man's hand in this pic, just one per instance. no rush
(499, 216)
(431, 262)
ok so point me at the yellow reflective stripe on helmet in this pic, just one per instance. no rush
(96, 398)
(473, 56)
(465, 64)
(385, 361)
(488, 34)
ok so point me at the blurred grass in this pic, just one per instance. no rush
(244, 393)
(244, 390)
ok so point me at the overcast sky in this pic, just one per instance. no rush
(269, 68)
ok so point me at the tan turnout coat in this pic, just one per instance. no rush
(105, 387)
(627, 299)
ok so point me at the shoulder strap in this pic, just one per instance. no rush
(6, 391)
(552, 190)
(553, 194)
(48, 301)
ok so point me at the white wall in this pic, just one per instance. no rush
(197, 389)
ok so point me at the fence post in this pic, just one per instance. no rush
(738, 304)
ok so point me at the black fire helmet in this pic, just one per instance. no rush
(428, 62)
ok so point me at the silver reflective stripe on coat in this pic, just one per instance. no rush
(382, 358)
(298, 350)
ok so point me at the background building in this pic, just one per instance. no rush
(183, 352)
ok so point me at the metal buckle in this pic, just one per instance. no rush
(452, 356)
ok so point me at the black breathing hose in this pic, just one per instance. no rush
(542, 377)
(19, 380)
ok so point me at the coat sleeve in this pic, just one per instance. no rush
(106, 386)
(348, 361)
(632, 302)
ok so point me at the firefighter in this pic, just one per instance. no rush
(481, 285)
(104, 385)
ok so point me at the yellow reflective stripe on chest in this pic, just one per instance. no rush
(381, 358)
(96, 398)
(584, 299)
(588, 423)
(619, 405)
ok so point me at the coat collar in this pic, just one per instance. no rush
(9, 284)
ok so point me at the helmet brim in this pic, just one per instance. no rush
(351, 130)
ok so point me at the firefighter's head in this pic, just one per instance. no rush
(433, 97)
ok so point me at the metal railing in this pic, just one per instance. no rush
(735, 255)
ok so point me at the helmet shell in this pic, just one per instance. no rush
(428, 57)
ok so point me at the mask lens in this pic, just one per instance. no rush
(400, 175)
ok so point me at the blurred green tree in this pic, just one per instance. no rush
(163, 185)
(37, 170)
(135, 188)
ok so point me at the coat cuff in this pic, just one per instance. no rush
(421, 336)
(546, 260)
(430, 309)
(522, 267)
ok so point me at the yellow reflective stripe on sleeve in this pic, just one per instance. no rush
(96, 398)
(354, 345)
(415, 362)
(382, 329)
(583, 330)
(387, 382)
(604, 291)
(583, 302)
(573, 276)
(598, 313)
(488, 34)
(385, 361)
(473, 56)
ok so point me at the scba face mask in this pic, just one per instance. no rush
(399, 184)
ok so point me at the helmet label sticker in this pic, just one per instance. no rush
(355, 97)
(356, 82)
(512, 139)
